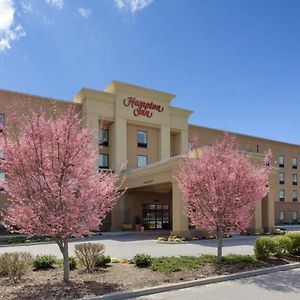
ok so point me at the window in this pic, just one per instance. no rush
(281, 178)
(281, 161)
(294, 163)
(103, 137)
(257, 148)
(295, 179)
(142, 139)
(142, 160)
(1, 121)
(2, 177)
(281, 195)
(295, 216)
(281, 216)
(190, 146)
(295, 195)
(103, 161)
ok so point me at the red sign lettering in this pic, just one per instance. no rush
(142, 108)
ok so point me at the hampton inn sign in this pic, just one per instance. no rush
(142, 108)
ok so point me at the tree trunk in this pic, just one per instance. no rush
(63, 246)
(220, 244)
(66, 261)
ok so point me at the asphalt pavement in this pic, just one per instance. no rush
(127, 246)
(283, 285)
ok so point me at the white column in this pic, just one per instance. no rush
(118, 144)
(258, 217)
(118, 214)
(165, 141)
(184, 140)
(180, 224)
(91, 121)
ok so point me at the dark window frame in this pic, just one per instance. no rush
(104, 142)
(137, 160)
(282, 181)
(2, 121)
(281, 212)
(282, 199)
(295, 167)
(104, 167)
(281, 165)
(294, 182)
(295, 199)
(139, 144)
(295, 221)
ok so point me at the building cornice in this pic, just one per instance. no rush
(117, 87)
(180, 112)
(86, 93)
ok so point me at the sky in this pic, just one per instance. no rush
(235, 63)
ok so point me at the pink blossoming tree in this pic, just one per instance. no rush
(221, 187)
(52, 181)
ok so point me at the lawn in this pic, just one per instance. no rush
(181, 263)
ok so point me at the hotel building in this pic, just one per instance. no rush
(136, 130)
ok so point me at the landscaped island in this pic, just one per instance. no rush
(93, 273)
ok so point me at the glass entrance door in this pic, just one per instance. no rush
(156, 216)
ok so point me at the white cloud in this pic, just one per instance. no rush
(56, 3)
(26, 6)
(132, 5)
(9, 32)
(84, 12)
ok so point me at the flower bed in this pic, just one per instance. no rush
(112, 277)
(173, 239)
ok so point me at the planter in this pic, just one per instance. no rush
(173, 242)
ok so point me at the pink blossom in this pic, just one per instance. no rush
(52, 181)
(221, 187)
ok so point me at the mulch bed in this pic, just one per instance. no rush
(115, 277)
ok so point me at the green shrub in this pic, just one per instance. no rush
(284, 245)
(178, 263)
(172, 237)
(231, 259)
(103, 260)
(114, 260)
(264, 247)
(211, 237)
(166, 264)
(73, 263)
(14, 239)
(14, 265)
(44, 262)
(295, 238)
(142, 260)
(88, 254)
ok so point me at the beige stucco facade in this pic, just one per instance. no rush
(152, 196)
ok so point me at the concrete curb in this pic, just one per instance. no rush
(26, 244)
(188, 284)
(72, 240)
